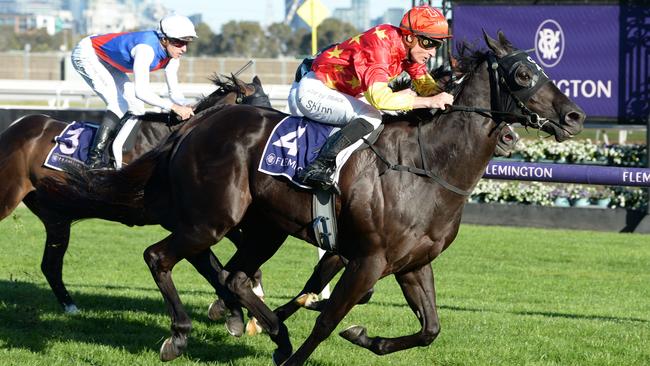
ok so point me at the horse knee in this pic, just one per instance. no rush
(429, 334)
(238, 282)
(152, 259)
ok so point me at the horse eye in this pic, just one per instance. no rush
(523, 77)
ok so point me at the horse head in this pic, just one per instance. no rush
(231, 90)
(527, 89)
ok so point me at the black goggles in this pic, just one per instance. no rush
(178, 42)
(428, 43)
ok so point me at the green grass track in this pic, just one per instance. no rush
(506, 296)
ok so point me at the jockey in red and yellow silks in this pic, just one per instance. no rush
(363, 66)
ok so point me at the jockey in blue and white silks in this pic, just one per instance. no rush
(104, 61)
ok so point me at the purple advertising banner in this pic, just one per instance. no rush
(576, 45)
(568, 173)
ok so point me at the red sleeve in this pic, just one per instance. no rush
(373, 59)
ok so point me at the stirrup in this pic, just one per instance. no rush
(318, 175)
(99, 165)
(322, 180)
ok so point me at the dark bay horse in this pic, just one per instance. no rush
(26, 143)
(391, 221)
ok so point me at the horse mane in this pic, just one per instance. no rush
(469, 58)
(225, 84)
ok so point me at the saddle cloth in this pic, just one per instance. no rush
(71, 145)
(294, 144)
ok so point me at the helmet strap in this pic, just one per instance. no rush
(162, 30)
(409, 45)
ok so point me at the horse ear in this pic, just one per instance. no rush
(240, 84)
(257, 81)
(495, 46)
(504, 41)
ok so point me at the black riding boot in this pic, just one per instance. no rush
(319, 172)
(104, 135)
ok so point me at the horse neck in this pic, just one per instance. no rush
(460, 144)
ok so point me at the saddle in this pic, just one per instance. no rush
(72, 144)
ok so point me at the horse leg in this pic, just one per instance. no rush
(419, 291)
(236, 236)
(258, 247)
(218, 309)
(161, 258)
(357, 279)
(326, 268)
(56, 244)
(57, 238)
(209, 266)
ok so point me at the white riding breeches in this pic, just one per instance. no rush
(109, 83)
(313, 99)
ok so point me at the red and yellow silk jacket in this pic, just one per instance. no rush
(364, 64)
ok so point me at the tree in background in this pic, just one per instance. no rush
(241, 39)
(279, 36)
(206, 44)
(330, 31)
(334, 31)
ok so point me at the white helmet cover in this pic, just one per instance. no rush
(179, 27)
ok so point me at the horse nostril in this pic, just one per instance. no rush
(574, 116)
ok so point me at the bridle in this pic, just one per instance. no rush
(258, 98)
(511, 104)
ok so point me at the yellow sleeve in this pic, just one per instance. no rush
(380, 96)
(425, 86)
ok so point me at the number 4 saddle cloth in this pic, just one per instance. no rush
(294, 144)
(71, 145)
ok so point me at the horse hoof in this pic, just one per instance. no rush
(253, 327)
(235, 325)
(307, 300)
(217, 310)
(355, 334)
(168, 351)
(71, 309)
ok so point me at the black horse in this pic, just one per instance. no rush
(400, 206)
(26, 143)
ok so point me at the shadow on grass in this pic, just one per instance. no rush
(31, 320)
(549, 314)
